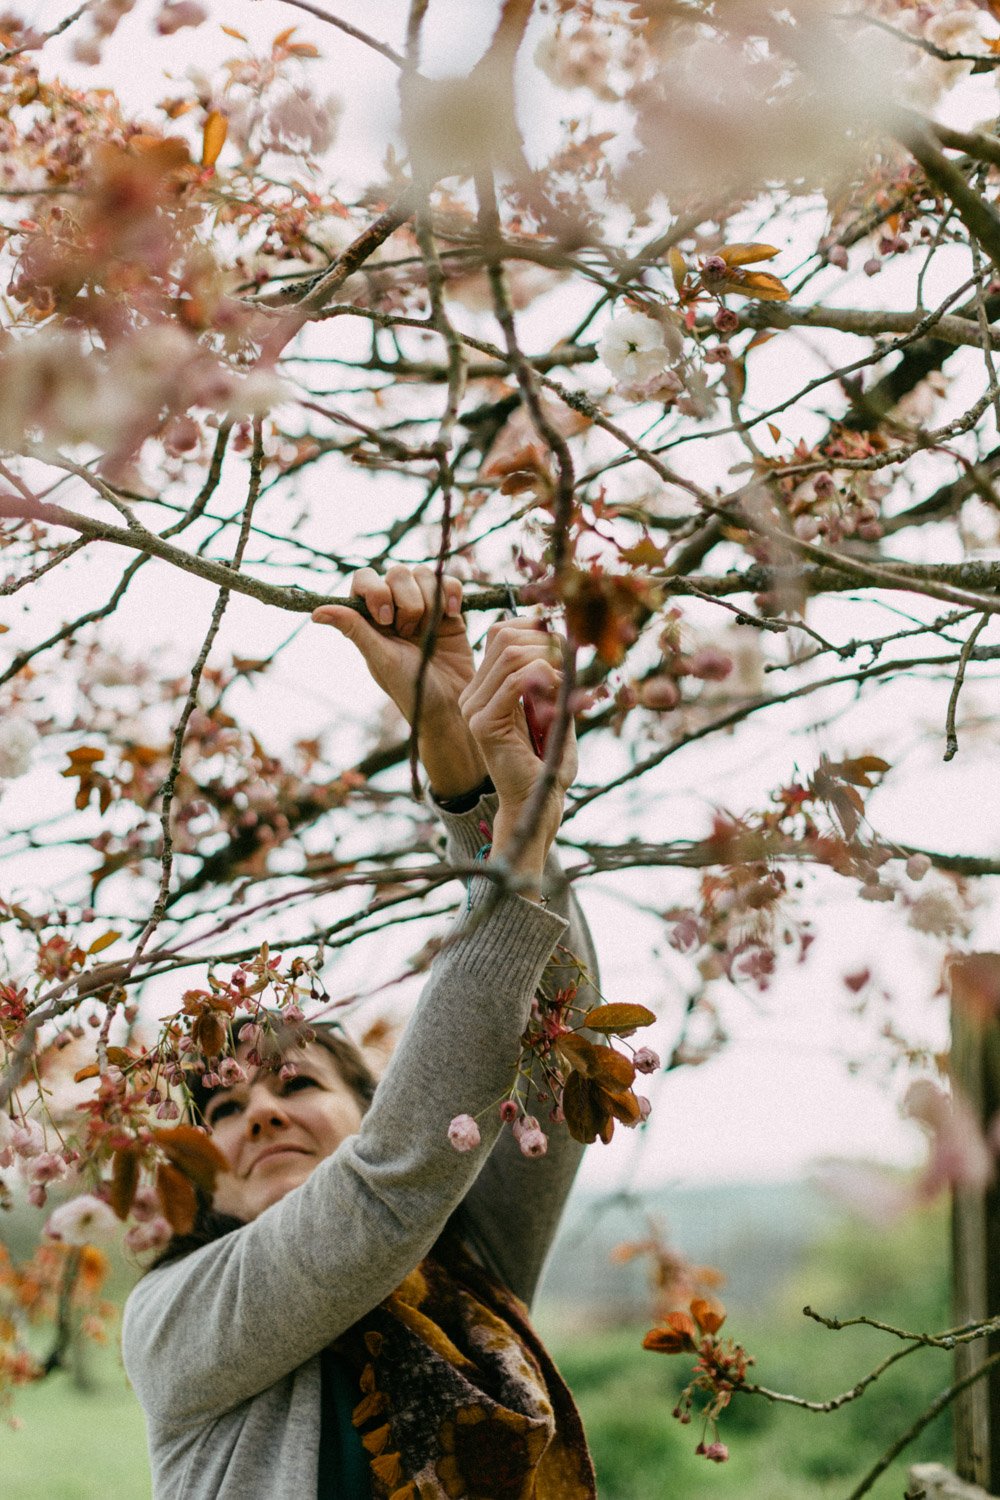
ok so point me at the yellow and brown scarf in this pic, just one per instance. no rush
(459, 1399)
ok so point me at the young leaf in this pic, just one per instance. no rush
(104, 941)
(213, 138)
(764, 286)
(745, 255)
(678, 268)
(618, 1019)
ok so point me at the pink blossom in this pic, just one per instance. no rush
(28, 1139)
(917, 866)
(231, 1073)
(463, 1133)
(145, 1204)
(149, 1236)
(717, 1453)
(646, 1060)
(179, 13)
(508, 1111)
(168, 1110)
(47, 1167)
(251, 1034)
(81, 1221)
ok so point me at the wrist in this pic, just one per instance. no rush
(451, 758)
(530, 860)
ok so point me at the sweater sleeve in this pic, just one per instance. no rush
(513, 1209)
(202, 1334)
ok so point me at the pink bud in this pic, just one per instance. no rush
(251, 1033)
(526, 1122)
(872, 266)
(806, 528)
(711, 664)
(230, 1072)
(37, 1196)
(508, 1111)
(211, 1080)
(287, 1071)
(917, 866)
(646, 1060)
(714, 266)
(168, 1110)
(645, 1108)
(463, 1133)
(533, 1143)
(717, 1453)
(726, 321)
(660, 693)
(837, 256)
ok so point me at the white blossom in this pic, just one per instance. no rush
(18, 738)
(81, 1221)
(633, 348)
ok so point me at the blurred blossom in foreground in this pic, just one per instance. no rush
(18, 739)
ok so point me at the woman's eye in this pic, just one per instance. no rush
(300, 1081)
(219, 1111)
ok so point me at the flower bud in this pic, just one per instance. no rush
(508, 1111)
(646, 1060)
(463, 1133)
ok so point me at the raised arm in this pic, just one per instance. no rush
(512, 1211)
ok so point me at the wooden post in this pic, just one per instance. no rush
(974, 981)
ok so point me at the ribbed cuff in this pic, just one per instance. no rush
(465, 835)
(514, 939)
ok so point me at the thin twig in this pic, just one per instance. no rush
(951, 736)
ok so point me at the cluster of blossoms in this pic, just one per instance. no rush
(586, 1086)
(661, 689)
(720, 1370)
(30, 1294)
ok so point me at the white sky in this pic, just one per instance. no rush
(780, 1096)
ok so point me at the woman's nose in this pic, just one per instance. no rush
(264, 1112)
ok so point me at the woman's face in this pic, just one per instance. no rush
(274, 1131)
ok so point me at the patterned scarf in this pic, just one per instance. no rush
(459, 1400)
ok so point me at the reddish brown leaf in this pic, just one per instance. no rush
(177, 1198)
(194, 1153)
(675, 1335)
(585, 1106)
(708, 1314)
(124, 1179)
(104, 941)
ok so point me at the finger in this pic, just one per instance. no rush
(451, 592)
(371, 588)
(350, 622)
(510, 657)
(495, 714)
(407, 599)
(499, 693)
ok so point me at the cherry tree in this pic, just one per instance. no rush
(672, 323)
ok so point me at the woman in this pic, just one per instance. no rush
(354, 1333)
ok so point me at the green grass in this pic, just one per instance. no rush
(77, 1444)
(90, 1445)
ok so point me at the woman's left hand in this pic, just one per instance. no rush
(521, 658)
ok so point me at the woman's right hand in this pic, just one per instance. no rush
(521, 657)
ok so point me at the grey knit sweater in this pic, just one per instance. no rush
(222, 1347)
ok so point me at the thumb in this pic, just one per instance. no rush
(348, 621)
